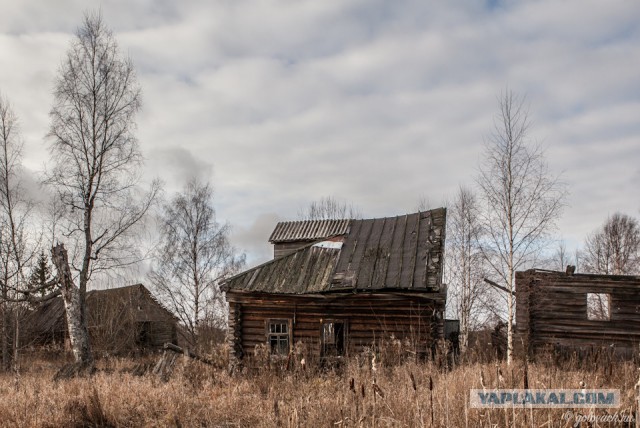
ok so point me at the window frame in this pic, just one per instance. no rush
(278, 335)
(592, 311)
(332, 349)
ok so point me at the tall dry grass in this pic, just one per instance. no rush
(362, 392)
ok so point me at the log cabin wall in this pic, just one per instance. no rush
(284, 248)
(154, 334)
(368, 318)
(552, 311)
(234, 331)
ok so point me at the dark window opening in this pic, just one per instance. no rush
(144, 333)
(333, 338)
(278, 336)
(598, 306)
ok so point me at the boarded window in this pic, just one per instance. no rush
(278, 336)
(598, 306)
(333, 338)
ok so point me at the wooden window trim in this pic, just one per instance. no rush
(345, 336)
(595, 313)
(268, 333)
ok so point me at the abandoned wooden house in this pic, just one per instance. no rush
(577, 312)
(120, 320)
(340, 285)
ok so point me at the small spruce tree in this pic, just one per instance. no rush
(41, 274)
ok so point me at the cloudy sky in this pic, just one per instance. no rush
(379, 103)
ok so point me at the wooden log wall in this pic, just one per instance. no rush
(234, 332)
(368, 317)
(551, 310)
(283, 248)
(159, 333)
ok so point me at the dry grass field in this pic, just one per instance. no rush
(406, 394)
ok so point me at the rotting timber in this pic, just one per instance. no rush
(370, 318)
(553, 312)
(369, 280)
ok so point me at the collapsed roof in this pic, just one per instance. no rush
(393, 253)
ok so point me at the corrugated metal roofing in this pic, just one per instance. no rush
(403, 252)
(308, 230)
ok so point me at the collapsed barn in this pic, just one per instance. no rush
(562, 311)
(338, 286)
(120, 320)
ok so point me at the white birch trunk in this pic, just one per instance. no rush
(510, 312)
(74, 305)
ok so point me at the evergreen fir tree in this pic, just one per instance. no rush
(41, 274)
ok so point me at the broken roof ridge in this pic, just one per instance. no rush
(308, 230)
(305, 230)
(364, 261)
(281, 258)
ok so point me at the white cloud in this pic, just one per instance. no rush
(376, 102)
(254, 238)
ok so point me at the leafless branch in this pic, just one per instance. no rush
(194, 255)
(522, 198)
(95, 162)
(329, 208)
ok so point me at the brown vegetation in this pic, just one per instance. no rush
(360, 393)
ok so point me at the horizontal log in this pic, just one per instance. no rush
(188, 353)
(321, 316)
(334, 313)
(359, 299)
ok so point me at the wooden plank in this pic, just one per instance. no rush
(366, 254)
(408, 255)
(348, 266)
(395, 260)
(557, 309)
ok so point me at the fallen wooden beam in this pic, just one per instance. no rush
(164, 366)
(499, 287)
(188, 353)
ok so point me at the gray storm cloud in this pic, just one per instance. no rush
(391, 105)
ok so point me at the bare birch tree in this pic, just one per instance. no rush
(561, 257)
(15, 251)
(329, 208)
(522, 199)
(95, 169)
(466, 264)
(424, 204)
(194, 256)
(613, 249)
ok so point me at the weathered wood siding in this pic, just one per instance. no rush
(552, 311)
(368, 317)
(284, 248)
(119, 319)
(157, 333)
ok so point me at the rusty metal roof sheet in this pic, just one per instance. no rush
(308, 230)
(399, 253)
